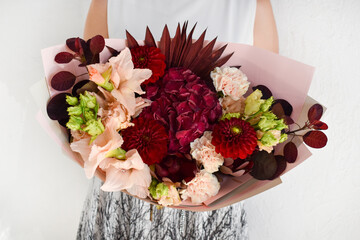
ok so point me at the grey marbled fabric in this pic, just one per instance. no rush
(119, 216)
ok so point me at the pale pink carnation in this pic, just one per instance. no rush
(204, 186)
(231, 81)
(229, 105)
(132, 175)
(172, 198)
(204, 152)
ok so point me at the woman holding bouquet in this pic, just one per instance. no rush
(115, 215)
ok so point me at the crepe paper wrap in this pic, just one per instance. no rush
(287, 78)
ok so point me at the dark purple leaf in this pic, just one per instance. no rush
(288, 120)
(64, 121)
(84, 85)
(97, 44)
(281, 166)
(286, 106)
(238, 66)
(315, 112)
(63, 81)
(319, 125)
(278, 110)
(265, 91)
(57, 107)
(265, 165)
(131, 41)
(290, 152)
(74, 44)
(315, 139)
(113, 51)
(149, 39)
(64, 57)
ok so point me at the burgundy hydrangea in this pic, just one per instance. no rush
(185, 105)
(176, 168)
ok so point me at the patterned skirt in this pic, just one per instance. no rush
(115, 215)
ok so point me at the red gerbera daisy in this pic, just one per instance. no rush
(150, 58)
(234, 138)
(149, 138)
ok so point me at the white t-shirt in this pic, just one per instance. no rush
(230, 20)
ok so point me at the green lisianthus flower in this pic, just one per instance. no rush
(94, 128)
(253, 102)
(280, 125)
(72, 101)
(75, 123)
(267, 104)
(268, 139)
(157, 190)
(75, 110)
(87, 100)
(283, 137)
(230, 115)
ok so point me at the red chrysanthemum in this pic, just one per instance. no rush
(149, 138)
(150, 58)
(234, 138)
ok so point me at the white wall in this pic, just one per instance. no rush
(42, 192)
(320, 198)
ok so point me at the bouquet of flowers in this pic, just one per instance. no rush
(178, 122)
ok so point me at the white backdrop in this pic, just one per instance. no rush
(42, 191)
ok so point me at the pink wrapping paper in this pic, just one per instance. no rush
(286, 78)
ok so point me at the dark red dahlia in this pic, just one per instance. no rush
(149, 138)
(151, 58)
(185, 105)
(234, 138)
(176, 168)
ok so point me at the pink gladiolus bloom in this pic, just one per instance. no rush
(127, 80)
(132, 175)
(94, 153)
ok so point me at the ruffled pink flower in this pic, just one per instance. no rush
(204, 152)
(201, 188)
(94, 153)
(231, 106)
(132, 175)
(114, 113)
(127, 80)
(172, 198)
(231, 81)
